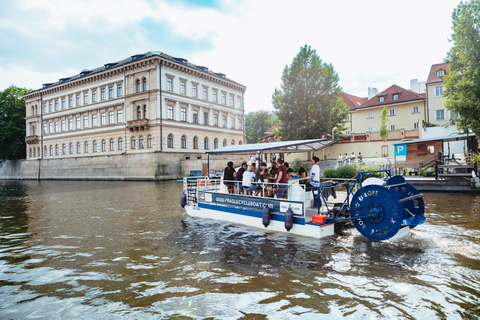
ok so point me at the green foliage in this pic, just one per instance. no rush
(308, 103)
(296, 164)
(257, 122)
(384, 132)
(331, 173)
(350, 172)
(462, 84)
(12, 123)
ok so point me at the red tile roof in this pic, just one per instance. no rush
(388, 94)
(352, 101)
(432, 76)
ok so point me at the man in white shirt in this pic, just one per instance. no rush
(247, 180)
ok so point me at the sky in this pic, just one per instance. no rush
(369, 43)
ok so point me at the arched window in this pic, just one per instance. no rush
(195, 143)
(86, 146)
(139, 113)
(233, 142)
(51, 150)
(45, 152)
(240, 142)
(134, 143)
(138, 85)
(144, 84)
(104, 145)
(144, 112)
(184, 142)
(140, 142)
(34, 152)
(64, 149)
(71, 148)
(95, 146)
(120, 144)
(31, 148)
(170, 141)
(224, 142)
(79, 147)
(215, 143)
(149, 141)
(205, 143)
(112, 145)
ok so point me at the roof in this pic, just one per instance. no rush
(432, 76)
(444, 139)
(352, 101)
(276, 147)
(405, 95)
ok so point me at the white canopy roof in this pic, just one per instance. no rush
(276, 147)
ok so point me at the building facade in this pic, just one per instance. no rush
(149, 102)
(437, 113)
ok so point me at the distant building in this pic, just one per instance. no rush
(352, 103)
(437, 113)
(269, 136)
(147, 103)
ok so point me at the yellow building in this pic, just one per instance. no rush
(147, 103)
(437, 113)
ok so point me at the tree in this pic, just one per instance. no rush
(308, 103)
(462, 84)
(12, 123)
(384, 132)
(256, 123)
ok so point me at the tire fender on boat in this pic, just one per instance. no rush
(183, 200)
(289, 219)
(266, 216)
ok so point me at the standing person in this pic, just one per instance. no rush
(271, 179)
(281, 180)
(247, 180)
(228, 176)
(239, 178)
(261, 175)
(315, 175)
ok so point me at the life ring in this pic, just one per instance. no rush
(203, 184)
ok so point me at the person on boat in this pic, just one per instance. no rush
(228, 176)
(314, 175)
(289, 170)
(272, 172)
(247, 181)
(282, 185)
(254, 167)
(302, 173)
(260, 177)
(239, 178)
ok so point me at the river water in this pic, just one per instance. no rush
(110, 250)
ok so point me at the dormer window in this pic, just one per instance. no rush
(395, 96)
(440, 73)
(381, 99)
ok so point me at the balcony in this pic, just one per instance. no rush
(31, 139)
(137, 125)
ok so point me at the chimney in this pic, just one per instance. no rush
(414, 85)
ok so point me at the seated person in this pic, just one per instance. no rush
(289, 170)
(261, 175)
(247, 180)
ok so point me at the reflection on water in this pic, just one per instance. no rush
(126, 249)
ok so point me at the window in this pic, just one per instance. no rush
(110, 92)
(183, 87)
(348, 118)
(45, 151)
(205, 143)
(150, 142)
(120, 144)
(205, 118)
(56, 105)
(57, 150)
(240, 124)
(139, 113)
(370, 129)
(78, 123)
(224, 142)
(111, 117)
(85, 122)
(438, 91)
(104, 145)
(138, 85)
(50, 106)
(239, 102)
(70, 124)
(102, 94)
(119, 90)
(440, 114)
(30, 152)
(194, 91)
(233, 142)
(56, 126)
(50, 125)
(144, 84)
(440, 73)
(205, 94)
(63, 104)
(112, 145)
(86, 146)
(44, 108)
(169, 84)
(77, 102)
(119, 116)
(141, 142)
(103, 120)
(195, 143)
(195, 116)
(85, 98)
(64, 149)
(381, 99)
(144, 112)
(94, 146)
(232, 123)
(240, 142)
(63, 125)
(184, 142)
(224, 123)
(215, 120)
(94, 121)
(70, 102)
(183, 114)
(170, 112)
(94, 96)
(415, 109)
(370, 115)
(231, 102)
(170, 141)
(79, 147)
(215, 143)
(392, 127)
(347, 132)
(214, 96)
(224, 98)
(134, 143)
(44, 128)
(391, 112)
(415, 125)
(51, 150)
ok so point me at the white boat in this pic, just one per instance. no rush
(380, 209)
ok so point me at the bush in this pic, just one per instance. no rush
(330, 173)
(347, 171)
(350, 172)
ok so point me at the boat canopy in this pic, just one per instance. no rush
(294, 146)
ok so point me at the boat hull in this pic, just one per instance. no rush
(222, 213)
